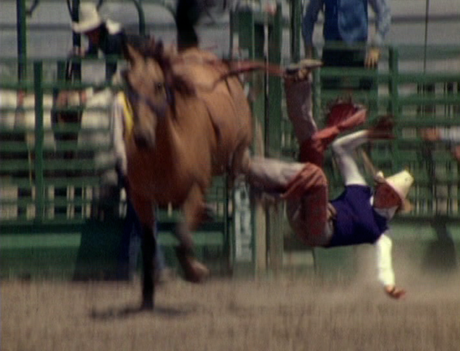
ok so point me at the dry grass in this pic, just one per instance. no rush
(229, 315)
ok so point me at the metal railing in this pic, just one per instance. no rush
(417, 94)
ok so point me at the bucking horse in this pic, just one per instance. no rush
(190, 120)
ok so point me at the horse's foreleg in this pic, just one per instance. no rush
(146, 216)
(149, 244)
(194, 271)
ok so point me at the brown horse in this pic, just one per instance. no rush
(191, 121)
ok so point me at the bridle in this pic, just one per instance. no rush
(157, 108)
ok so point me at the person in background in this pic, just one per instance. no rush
(347, 22)
(103, 35)
(359, 215)
(450, 135)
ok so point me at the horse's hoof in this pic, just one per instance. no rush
(195, 272)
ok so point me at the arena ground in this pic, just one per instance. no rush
(280, 314)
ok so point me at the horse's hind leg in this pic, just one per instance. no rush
(194, 271)
(146, 215)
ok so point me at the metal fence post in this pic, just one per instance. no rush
(39, 141)
(140, 13)
(22, 38)
(251, 39)
(76, 39)
(395, 107)
(274, 218)
(275, 90)
(295, 25)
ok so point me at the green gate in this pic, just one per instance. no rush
(47, 220)
(55, 215)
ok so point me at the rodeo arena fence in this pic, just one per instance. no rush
(62, 209)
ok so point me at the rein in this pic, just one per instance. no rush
(235, 68)
(249, 66)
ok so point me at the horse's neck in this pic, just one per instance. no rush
(171, 141)
(184, 133)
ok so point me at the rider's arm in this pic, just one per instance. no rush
(385, 268)
(384, 262)
(343, 151)
(117, 137)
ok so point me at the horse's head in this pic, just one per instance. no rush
(150, 86)
(148, 94)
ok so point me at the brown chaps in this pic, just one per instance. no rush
(308, 212)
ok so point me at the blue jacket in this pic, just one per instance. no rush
(346, 20)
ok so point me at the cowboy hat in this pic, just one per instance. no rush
(400, 183)
(88, 19)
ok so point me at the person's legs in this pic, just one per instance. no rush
(332, 58)
(271, 175)
(312, 142)
(358, 61)
(299, 106)
(353, 58)
(307, 212)
(131, 246)
(342, 116)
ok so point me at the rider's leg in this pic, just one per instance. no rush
(307, 213)
(312, 142)
(299, 106)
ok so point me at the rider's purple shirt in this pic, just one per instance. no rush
(357, 222)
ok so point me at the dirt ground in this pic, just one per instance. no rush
(271, 314)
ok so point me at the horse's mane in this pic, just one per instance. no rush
(150, 48)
